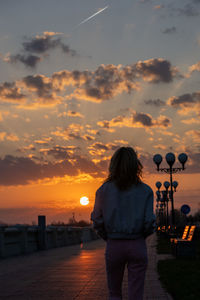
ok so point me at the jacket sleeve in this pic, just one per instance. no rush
(97, 216)
(149, 217)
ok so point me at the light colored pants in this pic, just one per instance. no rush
(120, 253)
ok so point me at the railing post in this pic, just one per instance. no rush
(42, 232)
(2, 242)
(24, 239)
(55, 237)
(65, 236)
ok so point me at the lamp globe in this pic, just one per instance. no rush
(182, 159)
(170, 158)
(158, 185)
(166, 184)
(175, 184)
(157, 160)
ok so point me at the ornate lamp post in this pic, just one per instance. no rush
(170, 158)
(166, 185)
(162, 197)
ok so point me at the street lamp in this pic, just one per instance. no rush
(170, 159)
(163, 200)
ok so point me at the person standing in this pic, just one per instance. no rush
(123, 216)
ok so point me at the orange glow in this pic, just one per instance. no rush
(84, 200)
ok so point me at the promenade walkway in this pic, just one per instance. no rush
(70, 273)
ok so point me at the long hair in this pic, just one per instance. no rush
(125, 169)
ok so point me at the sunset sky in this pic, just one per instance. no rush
(72, 92)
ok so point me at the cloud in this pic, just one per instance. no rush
(60, 152)
(194, 134)
(155, 70)
(191, 121)
(158, 7)
(169, 30)
(12, 137)
(68, 166)
(41, 142)
(8, 136)
(28, 60)
(195, 67)
(39, 84)
(146, 120)
(143, 119)
(73, 132)
(40, 45)
(9, 92)
(188, 10)
(2, 136)
(160, 147)
(193, 163)
(155, 102)
(39, 91)
(99, 148)
(106, 82)
(136, 120)
(5, 114)
(105, 125)
(43, 43)
(24, 170)
(75, 114)
(186, 103)
(30, 147)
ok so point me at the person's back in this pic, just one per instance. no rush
(127, 214)
(123, 216)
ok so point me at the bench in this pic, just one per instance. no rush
(184, 247)
(184, 236)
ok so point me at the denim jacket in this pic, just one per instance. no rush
(126, 214)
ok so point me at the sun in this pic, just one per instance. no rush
(84, 200)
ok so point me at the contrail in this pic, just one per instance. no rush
(98, 12)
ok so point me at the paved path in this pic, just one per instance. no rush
(70, 273)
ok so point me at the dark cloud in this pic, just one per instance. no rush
(39, 45)
(155, 102)
(99, 148)
(24, 170)
(155, 70)
(42, 87)
(186, 103)
(169, 30)
(188, 10)
(10, 92)
(144, 119)
(110, 80)
(104, 83)
(44, 43)
(137, 120)
(73, 132)
(28, 60)
(185, 100)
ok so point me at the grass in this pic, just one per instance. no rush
(179, 276)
